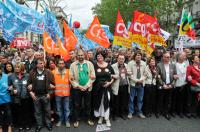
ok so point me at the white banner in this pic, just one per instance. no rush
(186, 43)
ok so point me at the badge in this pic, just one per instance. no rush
(123, 76)
(24, 82)
(99, 70)
(40, 77)
(106, 70)
(81, 69)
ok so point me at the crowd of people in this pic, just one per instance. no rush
(42, 89)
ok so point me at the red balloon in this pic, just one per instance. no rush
(76, 24)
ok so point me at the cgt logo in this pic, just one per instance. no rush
(98, 32)
(153, 28)
(140, 28)
(121, 29)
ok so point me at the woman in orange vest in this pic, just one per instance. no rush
(62, 93)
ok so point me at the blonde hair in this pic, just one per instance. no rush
(21, 66)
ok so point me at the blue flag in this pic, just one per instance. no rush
(82, 40)
(106, 28)
(70, 22)
(10, 23)
(29, 15)
(52, 26)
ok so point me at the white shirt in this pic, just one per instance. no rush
(181, 69)
(167, 73)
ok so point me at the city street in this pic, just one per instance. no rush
(140, 125)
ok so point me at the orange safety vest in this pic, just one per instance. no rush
(61, 84)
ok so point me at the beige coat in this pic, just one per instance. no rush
(73, 74)
(115, 85)
(149, 77)
(132, 72)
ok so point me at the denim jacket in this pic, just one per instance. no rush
(20, 85)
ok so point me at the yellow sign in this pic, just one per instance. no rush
(121, 41)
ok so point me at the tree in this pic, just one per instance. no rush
(55, 3)
(107, 10)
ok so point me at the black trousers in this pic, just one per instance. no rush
(121, 101)
(22, 113)
(149, 99)
(192, 101)
(164, 97)
(179, 99)
(5, 114)
(79, 97)
(42, 108)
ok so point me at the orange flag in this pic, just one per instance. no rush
(70, 38)
(56, 49)
(64, 53)
(97, 34)
(48, 43)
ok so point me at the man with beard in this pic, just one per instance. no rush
(82, 75)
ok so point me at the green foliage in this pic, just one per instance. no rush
(107, 10)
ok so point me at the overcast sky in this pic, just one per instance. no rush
(81, 11)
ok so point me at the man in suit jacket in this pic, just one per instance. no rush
(120, 88)
(166, 79)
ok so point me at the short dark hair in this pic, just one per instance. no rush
(103, 53)
(61, 60)
(192, 57)
(166, 52)
(136, 53)
(39, 59)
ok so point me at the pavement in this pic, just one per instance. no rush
(138, 125)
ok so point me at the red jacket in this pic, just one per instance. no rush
(194, 73)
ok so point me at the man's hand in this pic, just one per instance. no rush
(82, 88)
(169, 86)
(48, 96)
(33, 96)
(165, 86)
(141, 81)
(52, 86)
(30, 87)
(176, 77)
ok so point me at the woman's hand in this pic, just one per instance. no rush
(15, 91)
(107, 84)
(10, 87)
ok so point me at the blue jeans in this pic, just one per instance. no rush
(62, 107)
(139, 91)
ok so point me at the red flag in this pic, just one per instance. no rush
(97, 34)
(70, 38)
(120, 28)
(121, 36)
